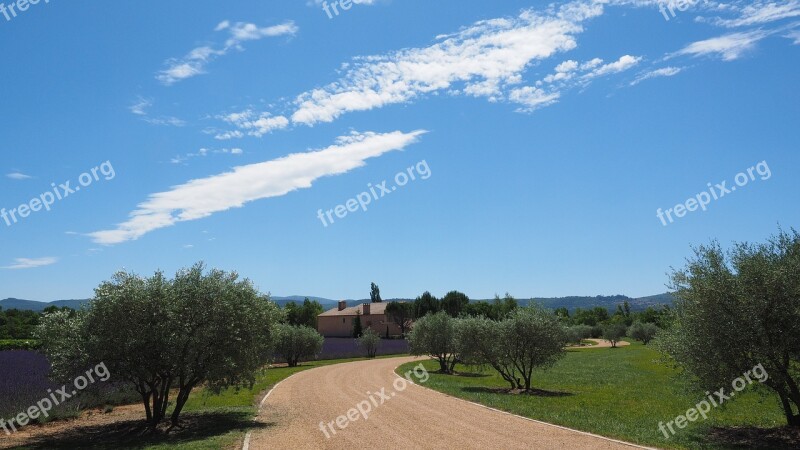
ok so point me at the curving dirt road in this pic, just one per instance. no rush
(401, 416)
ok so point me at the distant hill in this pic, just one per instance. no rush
(30, 305)
(608, 302)
(571, 303)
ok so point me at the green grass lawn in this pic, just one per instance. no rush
(621, 393)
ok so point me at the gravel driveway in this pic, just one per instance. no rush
(296, 412)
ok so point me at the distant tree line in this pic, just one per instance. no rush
(21, 324)
(304, 314)
(454, 304)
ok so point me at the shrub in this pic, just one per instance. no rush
(295, 343)
(644, 332)
(369, 341)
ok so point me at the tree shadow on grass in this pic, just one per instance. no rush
(132, 434)
(532, 392)
(755, 438)
(470, 375)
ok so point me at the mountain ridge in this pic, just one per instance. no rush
(609, 302)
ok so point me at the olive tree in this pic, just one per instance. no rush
(533, 338)
(370, 340)
(295, 343)
(164, 335)
(576, 334)
(735, 310)
(614, 333)
(527, 339)
(434, 335)
(480, 342)
(644, 332)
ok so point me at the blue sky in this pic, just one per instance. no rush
(551, 134)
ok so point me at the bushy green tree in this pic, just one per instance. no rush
(434, 335)
(303, 315)
(502, 307)
(454, 303)
(165, 335)
(370, 340)
(297, 343)
(401, 314)
(644, 332)
(425, 304)
(738, 309)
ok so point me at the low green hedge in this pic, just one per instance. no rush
(18, 344)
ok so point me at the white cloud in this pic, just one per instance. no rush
(227, 135)
(729, 47)
(533, 98)
(761, 12)
(203, 152)
(485, 59)
(17, 176)
(165, 120)
(31, 263)
(203, 197)
(140, 106)
(196, 60)
(663, 72)
(564, 71)
(255, 124)
(621, 65)
(794, 35)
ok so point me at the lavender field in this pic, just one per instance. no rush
(24, 381)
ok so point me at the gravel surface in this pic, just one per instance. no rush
(414, 417)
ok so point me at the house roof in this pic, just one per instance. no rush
(375, 308)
